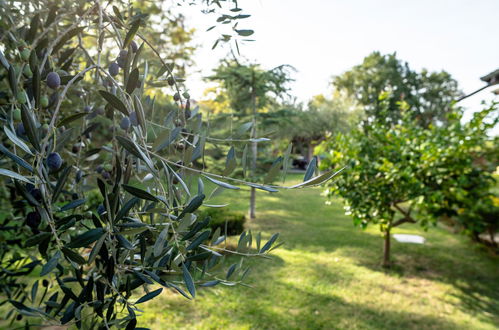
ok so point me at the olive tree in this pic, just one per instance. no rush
(99, 210)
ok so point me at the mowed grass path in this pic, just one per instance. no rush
(327, 275)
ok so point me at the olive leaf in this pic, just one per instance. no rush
(114, 102)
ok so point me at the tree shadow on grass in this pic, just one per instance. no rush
(448, 259)
(445, 258)
(277, 303)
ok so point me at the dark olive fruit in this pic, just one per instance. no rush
(53, 80)
(87, 108)
(45, 283)
(16, 114)
(44, 101)
(37, 194)
(101, 209)
(121, 62)
(76, 148)
(99, 169)
(19, 317)
(54, 161)
(114, 69)
(20, 129)
(92, 115)
(125, 123)
(176, 97)
(33, 219)
(133, 119)
(106, 175)
(74, 196)
(134, 46)
(175, 180)
(188, 104)
(79, 175)
(171, 81)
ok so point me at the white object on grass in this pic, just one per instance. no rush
(405, 238)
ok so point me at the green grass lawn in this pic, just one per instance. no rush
(327, 275)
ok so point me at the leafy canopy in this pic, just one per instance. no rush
(428, 95)
(396, 170)
(244, 84)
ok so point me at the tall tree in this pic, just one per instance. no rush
(249, 89)
(427, 95)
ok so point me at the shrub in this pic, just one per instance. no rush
(225, 219)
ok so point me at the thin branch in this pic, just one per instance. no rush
(402, 220)
(472, 93)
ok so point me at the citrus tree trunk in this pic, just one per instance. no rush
(386, 249)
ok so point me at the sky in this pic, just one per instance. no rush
(323, 38)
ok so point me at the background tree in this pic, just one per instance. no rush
(308, 127)
(249, 89)
(405, 173)
(427, 95)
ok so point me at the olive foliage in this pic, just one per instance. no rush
(99, 201)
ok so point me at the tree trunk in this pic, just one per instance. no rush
(252, 210)
(254, 149)
(310, 151)
(386, 249)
